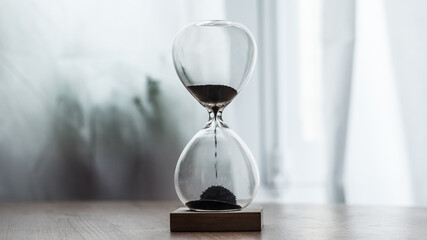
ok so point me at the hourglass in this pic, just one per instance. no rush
(216, 170)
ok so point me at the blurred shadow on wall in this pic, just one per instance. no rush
(78, 117)
(120, 149)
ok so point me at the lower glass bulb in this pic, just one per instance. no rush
(216, 170)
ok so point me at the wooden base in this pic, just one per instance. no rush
(185, 220)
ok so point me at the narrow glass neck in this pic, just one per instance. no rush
(215, 119)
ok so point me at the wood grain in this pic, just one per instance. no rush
(150, 220)
(184, 220)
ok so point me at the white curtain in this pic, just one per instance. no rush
(354, 79)
(387, 141)
(316, 52)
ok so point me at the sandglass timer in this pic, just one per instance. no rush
(216, 170)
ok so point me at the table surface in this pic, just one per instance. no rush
(150, 220)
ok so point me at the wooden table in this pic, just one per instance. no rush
(150, 220)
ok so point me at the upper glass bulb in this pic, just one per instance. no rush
(214, 53)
